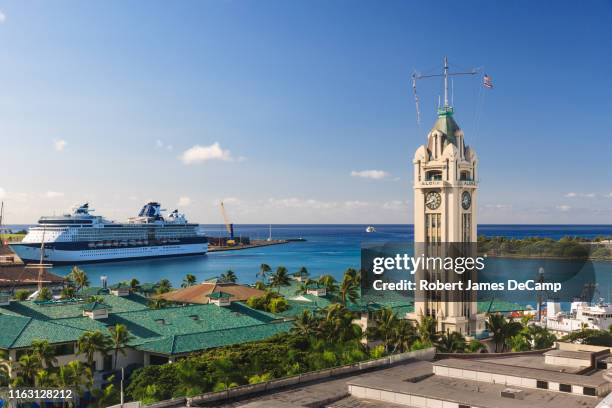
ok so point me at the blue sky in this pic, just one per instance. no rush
(278, 107)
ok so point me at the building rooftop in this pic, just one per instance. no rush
(16, 276)
(412, 379)
(544, 374)
(201, 293)
(170, 330)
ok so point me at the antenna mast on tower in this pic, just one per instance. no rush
(444, 74)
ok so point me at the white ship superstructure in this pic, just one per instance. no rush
(582, 314)
(80, 237)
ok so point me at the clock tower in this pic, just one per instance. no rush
(445, 198)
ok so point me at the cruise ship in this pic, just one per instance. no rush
(80, 237)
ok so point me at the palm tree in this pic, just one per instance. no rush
(44, 294)
(385, 322)
(474, 346)
(74, 375)
(280, 278)
(501, 329)
(44, 378)
(28, 367)
(120, 336)
(404, 335)
(68, 292)
(164, 286)
(260, 285)
(330, 283)
(303, 286)
(79, 277)
(337, 325)
(188, 280)
(427, 329)
(92, 342)
(42, 350)
(450, 342)
(303, 273)
(228, 277)
(264, 269)
(304, 324)
(157, 303)
(349, 289)
(134, 285)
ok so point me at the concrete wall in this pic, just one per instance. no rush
(399, 398)
(509, 380)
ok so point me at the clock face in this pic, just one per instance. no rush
(433, 200)
(466, 200)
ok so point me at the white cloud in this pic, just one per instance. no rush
(564, 207)
(184, 201)
(294, 202)
(395, 205)
(352, 204)
(371, 174)
(198, 154)
(583, 195)
(498, 206)
(609, 195)
(2, 17)
(53, 194)
(59, 144)
(2, 192)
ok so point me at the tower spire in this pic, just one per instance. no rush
(445, 81)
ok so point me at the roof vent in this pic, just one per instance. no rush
(513, 393)
(160, 321)
(194, 317)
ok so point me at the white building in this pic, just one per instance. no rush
(582, 314)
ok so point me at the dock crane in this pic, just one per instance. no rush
(228, 226)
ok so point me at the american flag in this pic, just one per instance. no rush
(487, 81)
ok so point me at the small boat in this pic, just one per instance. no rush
(370, 229)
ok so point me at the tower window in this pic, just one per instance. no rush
(433, 175)
(465, 176)
(466, 227)
(433, 226)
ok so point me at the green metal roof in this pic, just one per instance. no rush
(220, 295)
(17, 331)
(180, 344)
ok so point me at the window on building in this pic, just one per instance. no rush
(465, 176)
(565, 387)
(433, 227)
(466, 227)
(433, 175)
(542, 384)
(464, 406)
(589, 391)
(64, 349)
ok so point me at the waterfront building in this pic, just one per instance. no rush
(581, 315)
(18, 277)
(158, 335)
(445, 199)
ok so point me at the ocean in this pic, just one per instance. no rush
(328, 249)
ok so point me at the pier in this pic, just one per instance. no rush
(256, 243)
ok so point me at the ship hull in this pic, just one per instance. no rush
(60, 254)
